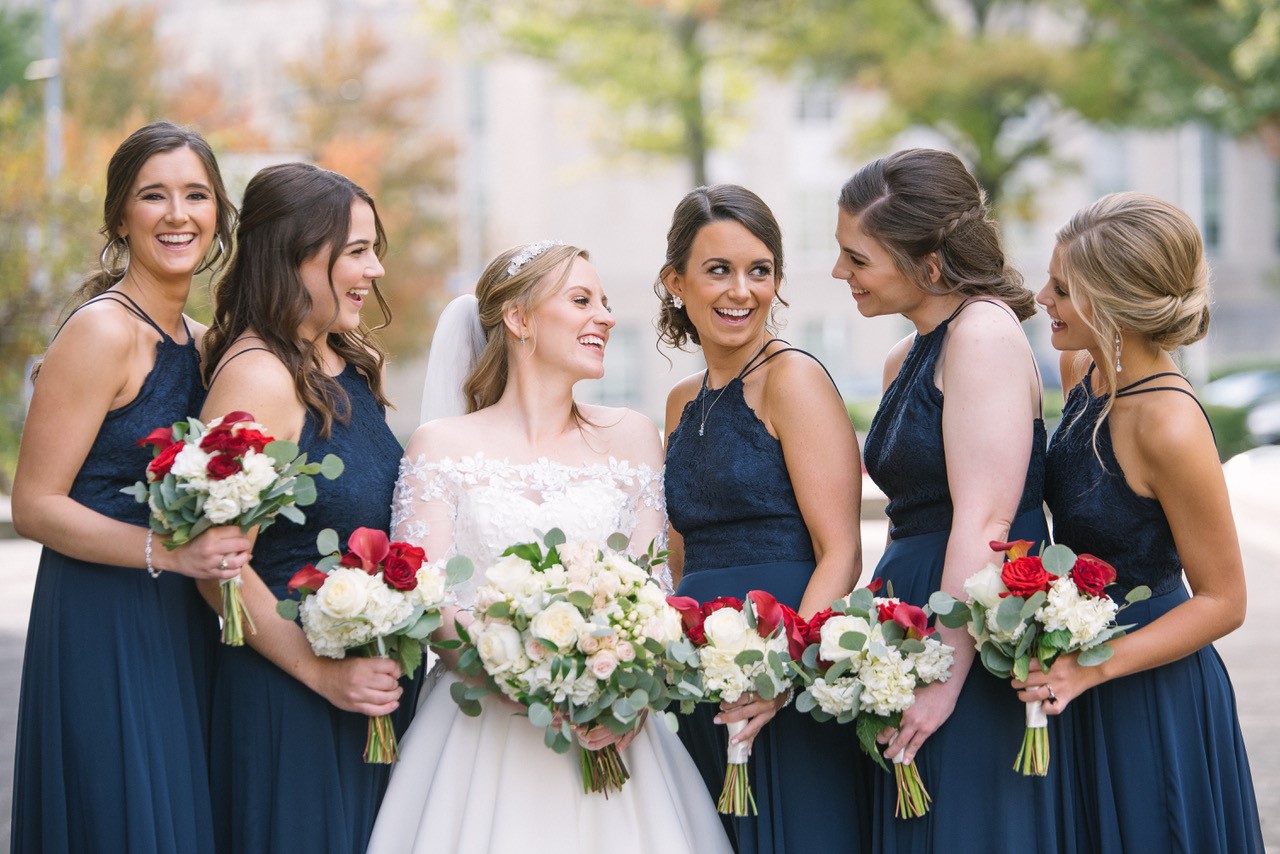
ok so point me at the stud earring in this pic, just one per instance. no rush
(676, 302)
(521, 340)
(1118, 367)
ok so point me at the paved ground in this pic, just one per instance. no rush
(1250, 653)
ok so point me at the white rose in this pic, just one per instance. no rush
(535, 650)
(835, 628)
(579, 559)
(499, 648)
(985, 587)
(512, 575)
(607, 583)
(726, 630)
(602, 664)
(222, 510)
(558, 624)
(344, 594)
(431, 585)
(588, 643)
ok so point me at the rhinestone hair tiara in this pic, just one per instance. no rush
(527, 254)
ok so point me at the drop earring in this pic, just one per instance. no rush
(1118, 367)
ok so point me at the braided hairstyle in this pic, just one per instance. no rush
(921, 202)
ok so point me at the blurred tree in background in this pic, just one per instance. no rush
(117, 75)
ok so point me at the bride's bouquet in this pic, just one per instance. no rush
(577, 634)
(864, 658)
(731, 647)
(1037, 607)
(226, 472)
(380, 599)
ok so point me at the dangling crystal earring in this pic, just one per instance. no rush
(1118, 368)
(676, 302)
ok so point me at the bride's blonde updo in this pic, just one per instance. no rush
(519, 277)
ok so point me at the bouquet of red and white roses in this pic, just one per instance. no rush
(731, 647)
(577, 634)
(226, 472)
(864, 658)
(1037, 607)
(381, 599)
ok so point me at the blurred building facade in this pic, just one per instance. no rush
(529, 169)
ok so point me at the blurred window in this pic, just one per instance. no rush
(1211, 188)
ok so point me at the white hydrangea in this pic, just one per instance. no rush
(834, 697)
(1085, 617)
(934, 664)
(887, 684)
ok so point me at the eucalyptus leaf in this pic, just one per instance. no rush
(1058, 559)
(331, 466)
(458, 570)
(304, 491)
(852, 641)
(282, 451)
(1009, 614)
(1033, 603)
(287, 608)
(996, 661)
(555, 537)
(540, 715)
(618, 542)
(327, 541)
(942, 602)
(805, 703)
(293, 514)
(748, 657)
(672, 722)
(1141, 593)
(1094, 655)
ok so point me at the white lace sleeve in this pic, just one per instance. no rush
(424, 508)
(648, 511)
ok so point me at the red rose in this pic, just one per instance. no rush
(161, 438)
(308, 578)
(222, 466)
(1025, 576)
(813, 627)
(251, 438)
(159, 467)
(400, 574)
(887, 610)
(413, 554)
(1092, 574)
(709, 608)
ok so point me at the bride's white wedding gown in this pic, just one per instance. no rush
(489, 784)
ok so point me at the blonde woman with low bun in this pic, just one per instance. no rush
(1133, 478)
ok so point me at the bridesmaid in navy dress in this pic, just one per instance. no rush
(958, 446)
(287, 344)
(763, 492)
(113, 713)
(1134, 479)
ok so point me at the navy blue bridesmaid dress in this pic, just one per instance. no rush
(287, 766)
(979, 802)
(729, 495)
(114, 710)
(1161, 750)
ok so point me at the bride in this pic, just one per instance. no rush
(527, 458)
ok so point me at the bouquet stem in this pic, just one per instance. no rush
(1033, 758)
(913, 798)
(736, 797)
(234, 614)
(603, 770)
(381, 747)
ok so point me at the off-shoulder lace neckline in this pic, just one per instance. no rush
(482, 461)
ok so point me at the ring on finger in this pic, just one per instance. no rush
(1052, 697)
(222, 564)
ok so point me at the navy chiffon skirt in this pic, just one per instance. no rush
(114, 711)
(287, 766)
(809, 779)
(1164, 756)
(979, 802)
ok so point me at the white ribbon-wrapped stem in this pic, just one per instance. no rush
(737, 752)
(1036, 718)
(900, 757)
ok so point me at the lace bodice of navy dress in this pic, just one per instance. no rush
(904, 450)
(363, 491)
(728, 490)
(1095, 510)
